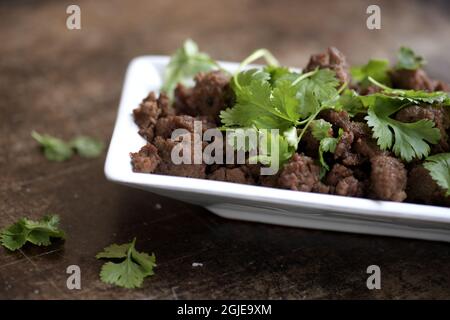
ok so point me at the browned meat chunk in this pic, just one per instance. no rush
(210, 95)
(342, 120)
(343, 183)
(368, 148)
(333, 60)
(388, 178)
(301, 174)
(165, 126)
(344, 150)
(146, 160)
(423, 189)
(237, 175)
(414, 79)
(439, 115)
(167, 166)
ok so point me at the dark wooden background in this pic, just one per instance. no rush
(66, 83)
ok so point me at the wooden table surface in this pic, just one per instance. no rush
(66, 83)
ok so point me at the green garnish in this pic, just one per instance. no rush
(438, 166)
(58, 150)
(409, 60)
(184, 64)
(131, 271)
(38, 232)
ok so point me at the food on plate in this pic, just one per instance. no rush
(375, 131)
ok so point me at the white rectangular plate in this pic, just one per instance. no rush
(255, 203)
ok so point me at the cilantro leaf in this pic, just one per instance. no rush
(350, 101)
(315, 90)
(54, 149)
(272, 143)
(408, 140)
(129, 273)
(407, 59)
(323, 132)
(87, 147)
(438, 166)
(259, 104)
(37, 232)
(376, 69)
(276, 73)
(184, 65)
(412, 96)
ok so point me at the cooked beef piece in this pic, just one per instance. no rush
(309, 145)
(367, 147)
(148, 112)
(167, 166)
(146, 160)
(210, 95)
(238, 175)
(165, 126)
(343, 183)
(301, 174)
(344, 150)
(423, 189)
(414, 79)
(439, 115)
(342, 120)
(334, 60)
(388, 178)
(442, 86)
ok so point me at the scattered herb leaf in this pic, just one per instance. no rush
(37, 232)
(54, 149)
(129, 273)
(87, 147)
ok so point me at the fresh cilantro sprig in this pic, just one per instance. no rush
(412, 96)
(276, 98)
(408, 59)
(131, 271)
(438, 166)
(184, 64)
(38, 232)
(376, 68)
(350, 101)
(407, 140)
(323, 132)
(58, 150)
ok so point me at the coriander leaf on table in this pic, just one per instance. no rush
(438, 166)
(130, 272)
(37, 232)
(376, 69)
(407, 140)
(54, 149)
(315, 90)
(184, 64)
(408, 59)
(87, 147)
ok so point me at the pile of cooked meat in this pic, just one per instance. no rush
(358, 167)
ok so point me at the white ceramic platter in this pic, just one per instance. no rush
(254, 203)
